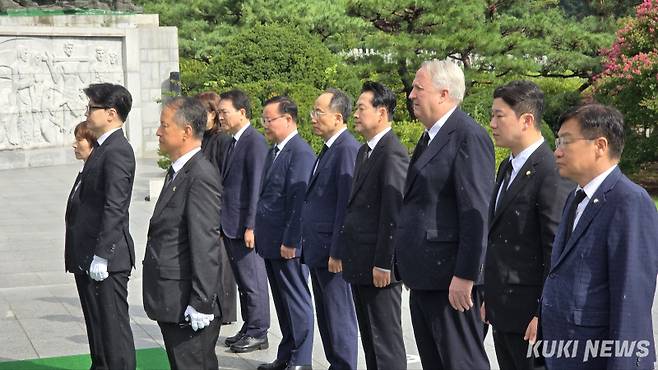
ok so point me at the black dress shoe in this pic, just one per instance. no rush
(276, 365)
(231, 340)
(299, 367)
(249, 344)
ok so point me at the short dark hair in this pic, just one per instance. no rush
(382, 96)
(286, 105)
(189, 111)
(340, 102)
(210, 101)
(111, 96)
(81, 131)
(522, 97)
(239, 99)
(597, 120)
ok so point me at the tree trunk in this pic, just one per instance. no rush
(407, 85)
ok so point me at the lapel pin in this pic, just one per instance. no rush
(174, 189)
(596, 200)
(528, 173)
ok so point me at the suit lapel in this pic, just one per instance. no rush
(435, 146)
(240, 147)
(325, 159)
(280, 158)
(499, 181)
(593, 207)
(366, 165)
(520, 181)
(169, 190)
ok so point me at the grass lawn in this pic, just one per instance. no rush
(147, 359)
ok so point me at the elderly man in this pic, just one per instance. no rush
(181, 265)
(441, 237)
(322, 218)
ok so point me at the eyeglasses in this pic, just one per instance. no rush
(93, 107)
(561, 142)
(315, 114)
(266, 121)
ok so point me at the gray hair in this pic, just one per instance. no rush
(340, 102)
(189, 111)
(446, 74)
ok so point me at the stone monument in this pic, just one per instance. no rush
(46, 61)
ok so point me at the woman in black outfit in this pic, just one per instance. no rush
(214, 145)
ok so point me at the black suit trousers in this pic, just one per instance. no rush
(188, 349)
(446, 338)
(105, 309)
(379, 314)
(512, 350)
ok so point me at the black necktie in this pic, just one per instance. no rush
(361, 162)
(170, 177)
(420, 147)
(317, 161)
(227, 156)
(506, 179)
(571, 215)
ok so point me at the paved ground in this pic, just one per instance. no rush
(40, 315)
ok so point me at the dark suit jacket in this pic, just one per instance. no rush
(325, 202)
(72, 205)
(444, 216)
(521, 233)
(372, 210)
(214, 146)
(242, 180)
(105, 191)
(181, 263)
(602, 280)
(281, 198)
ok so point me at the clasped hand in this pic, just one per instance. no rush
(98, 269)
(197, 319)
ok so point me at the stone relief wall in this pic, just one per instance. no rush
(41, 82)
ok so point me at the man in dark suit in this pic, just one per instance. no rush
(103, 247)
(322, 218)
(602, 279)
(524, 212)
(278, 232)
(441, 238)
(242, 172)
(367, 234)
(181, 263)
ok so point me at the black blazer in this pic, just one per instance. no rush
(214, 146)
(521, 233)
(102, 218)
(181, 263)
(72, 205)
(444, 216)
(372, 210)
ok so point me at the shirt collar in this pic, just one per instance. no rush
(438, 124)
(372, 143)
(180, 162)
(285, 141)
(521, 158)
(241, 131)
(104, 137)
(594, 184)
(333, 138)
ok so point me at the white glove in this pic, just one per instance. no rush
(98, 269)
(197, 319)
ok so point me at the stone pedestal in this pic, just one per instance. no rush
(46, 61)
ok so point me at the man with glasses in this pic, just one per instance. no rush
(103, 248)
(602, 280)
(278, 232)
(322, 218)
(242, 170)
(524, 212)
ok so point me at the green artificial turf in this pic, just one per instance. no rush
(147, 359)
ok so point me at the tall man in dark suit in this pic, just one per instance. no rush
(524, 212)
(367, 234)
(103, 245)
(242, 172)
(278, 232)
(322, 218)
(602, 279)
(441, 238)
(181, 283)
